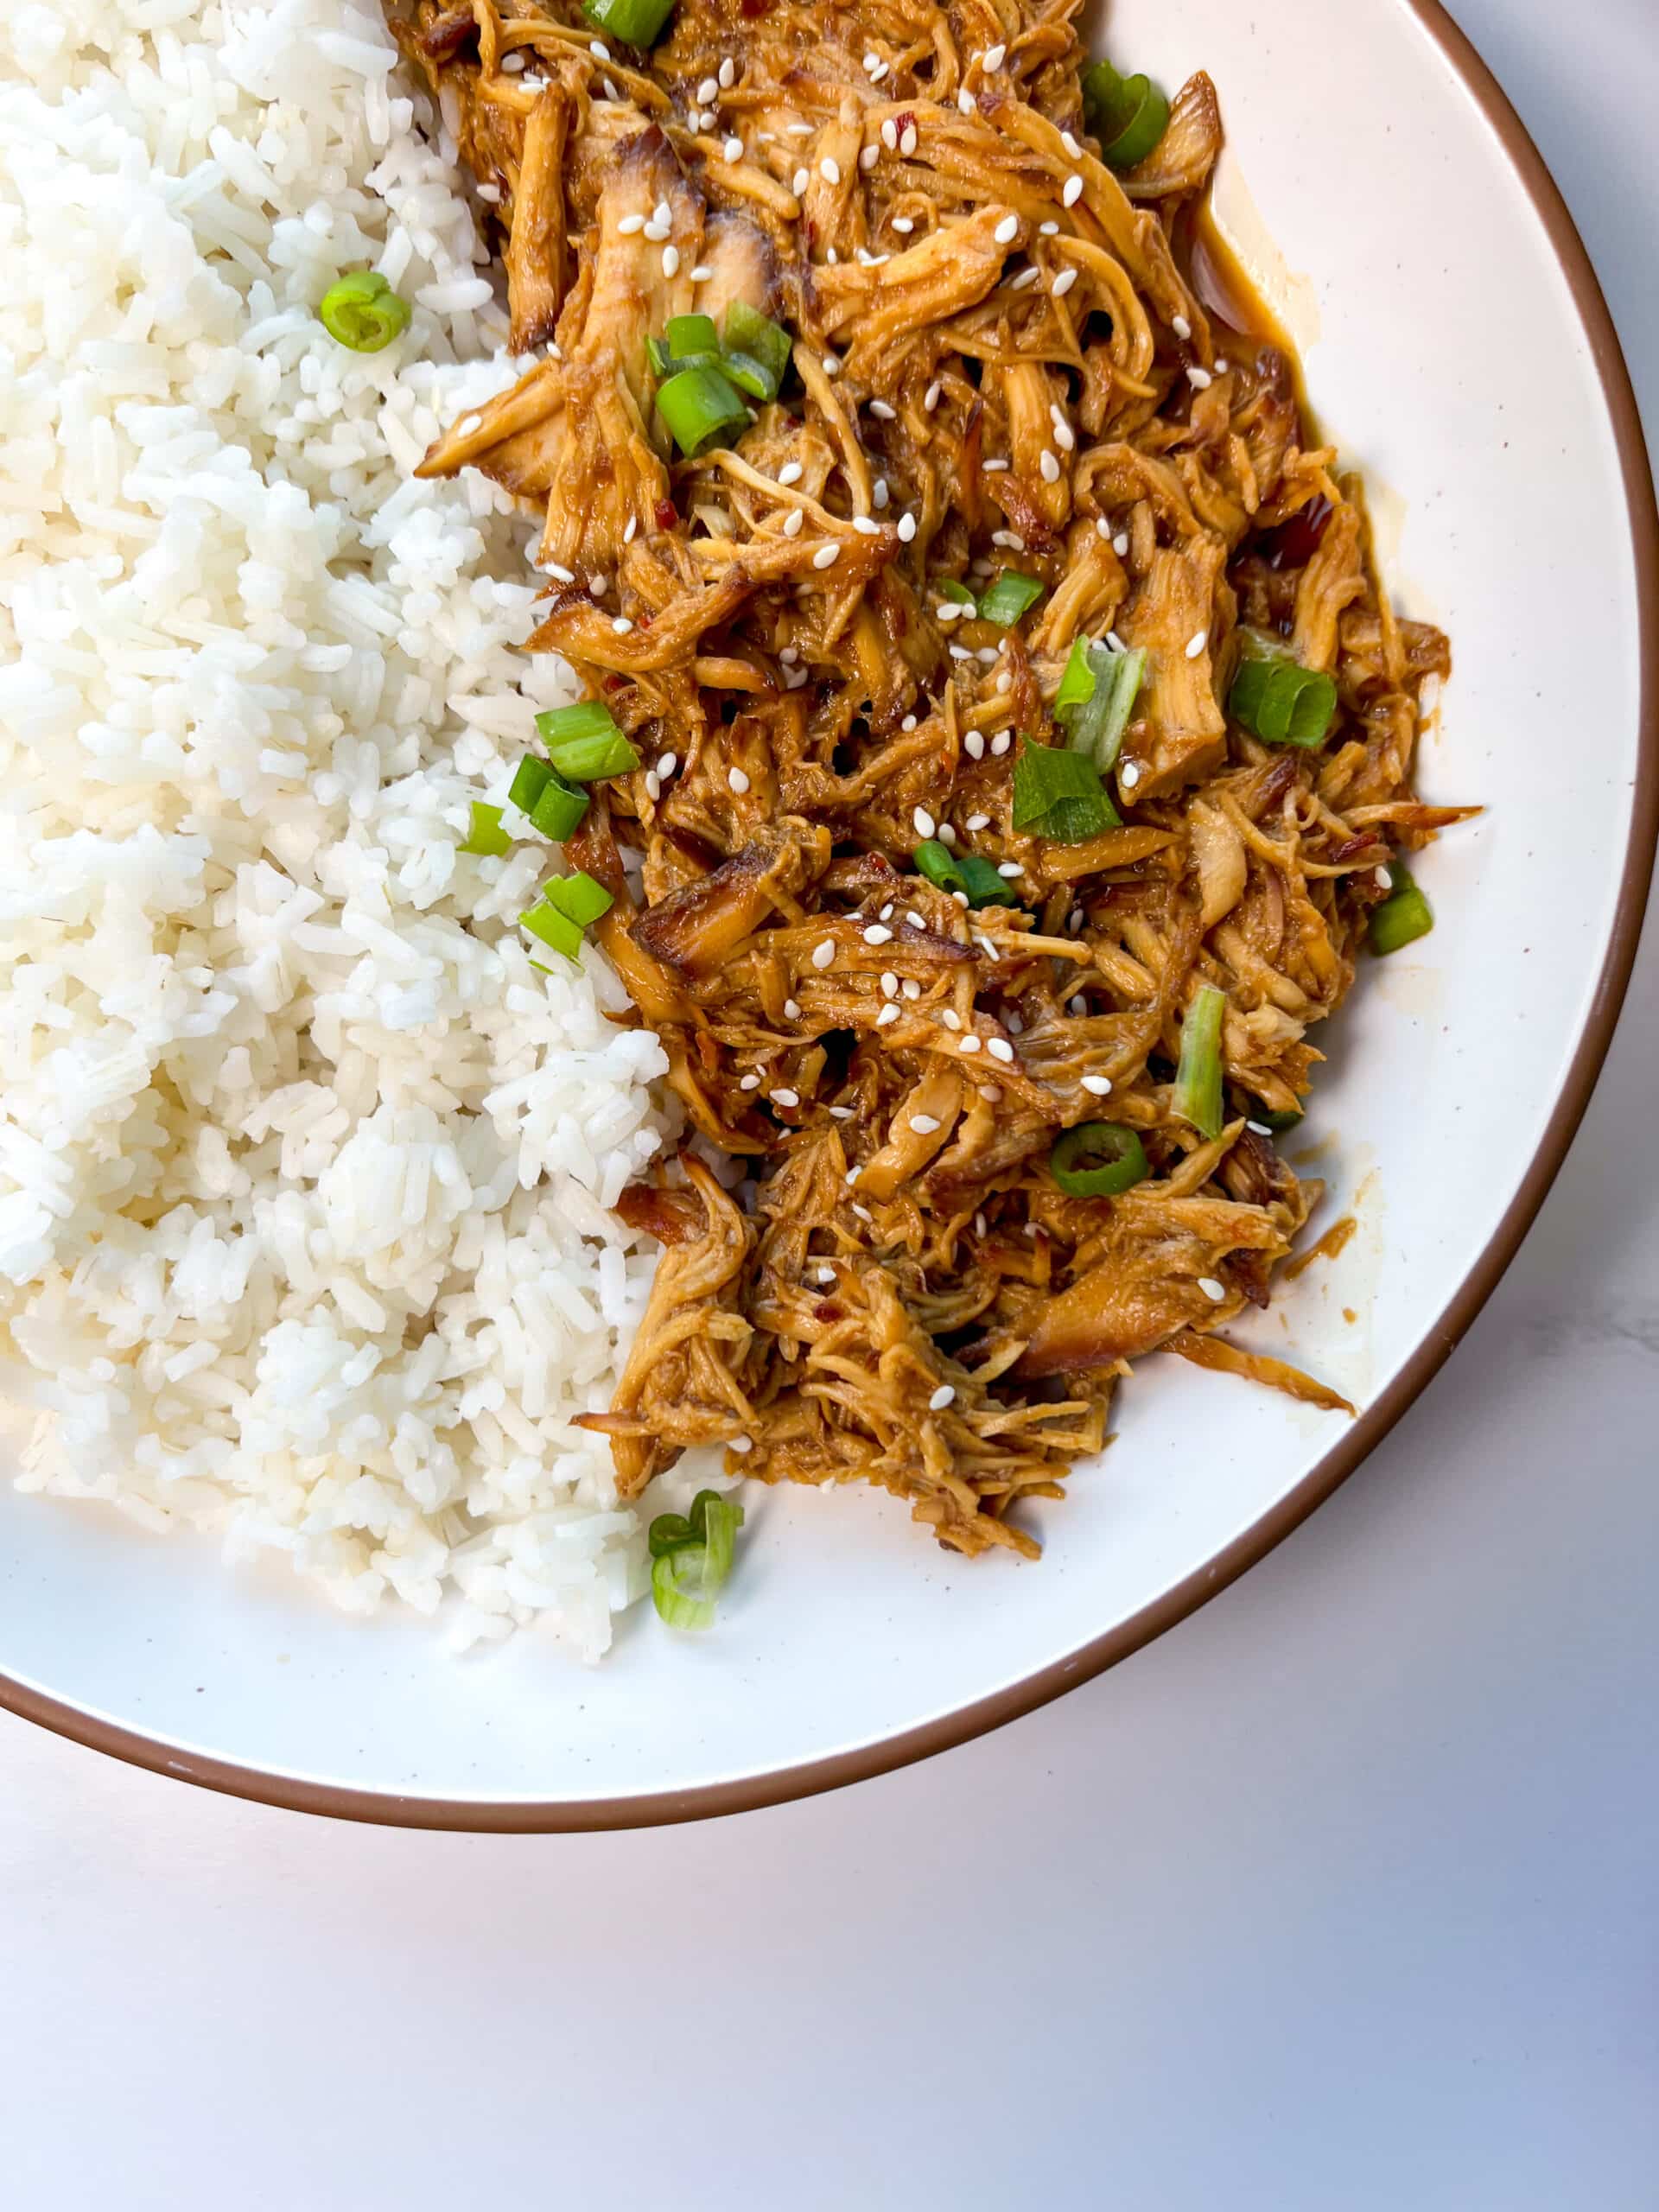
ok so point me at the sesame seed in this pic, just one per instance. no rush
(670, 261)
(986, 656)
(979, 1224)
(841, 1113)
(868, 156)
(1025, 279)
(824, 954)
(1200, 379)
(791, 1010)
(872, 59)
(631, 223)
(798, 130)
(1128, 775)
(1385, 878)
(750, 1083)
(949, 610)
(865, 527)
(599, 585)
(1121, 545)
(965, 100)
(1050, 466)
(707, 92)
(999, 1048)
(908, 723)
(914, 919)
(1000, 744)
(960, 653)
(727, 73)
(907, 142)
(789, 654)
(826, 556)
(911, 989)
(1007, 231)
(826, 1276)
(1098, 1086)
(1004, 682)
(907, 528)
(969, 1043)
(1071, 191)
(924, 1124)
(741, 1444)
(1220, 368)
(738, 780)
(930, 397)
(950, 1017)
(877, 934)
(1011, 869)
(1258, 1128)
(628, 534)
(903, 224)
(733, 149)
(800, 180)
(1070, 145)
(1065, 437)
(986, 946)
(702, 273)
(947, 835)
(940, 1398)
(961, 900)
(653, 784)
(993, 468)
(794, 521)
(864, 1213)
(598, 48)
(1215, 1292)
(786, 1098)
(852, 1176)
(993, 57)
(1074, 922)
(621, 625)
(560, 573)
(662, 213)
(882, 412)
(667, 764)
(979, 821)
(1063, 283)
(888, 1015)
(829, 169)
(925, 825)
(890, 135)
(889, 985)
(1078, 1005)
(1182, 328)
(974, 744)
(790, 472)
(1197, 642)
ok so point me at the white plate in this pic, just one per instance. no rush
(1455, 342)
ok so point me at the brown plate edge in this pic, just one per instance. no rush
(750, 1792)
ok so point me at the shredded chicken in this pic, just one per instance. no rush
(1002, 357)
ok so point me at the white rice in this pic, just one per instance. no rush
(305, 1172)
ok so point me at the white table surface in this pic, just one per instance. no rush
(1340, 1898)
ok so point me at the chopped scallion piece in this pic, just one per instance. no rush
(1097, 1160)
(1128, 115)
(1277, 1119)
(584, 743)
(580, 897)
(487, 838)
(1009, 597)
(553, 928)
(958, 593)
(636, 22)
(559, 807)
(1197, 1096)
(678, 1580)
(692, 1558)
(587, 718)
(669, 1532)
(1277, 699)
(757, 351)
(363, 312)
(1403, 917)
(963, 872)
(715, 1521)
(697, 404)
(1095, 718)
(1059, 795)
(529, 780)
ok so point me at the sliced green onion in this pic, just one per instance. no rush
(529, 780)
(1095, 719)
(1128, 115)
(968, 873)
(1277, 699)
(587, 718)
(1059, 795)
(690, 334)
(1404, 916)
(697, 404)
(546, 923)
(580, 897)
(1012, 595)
(757, 351)
(678, 1581)
(589, 759)
(486, 837)
(559, 808)
(363, 312)
(1278, 1119)
(958, 594)
(1197, 1096)
(1097, 1160)
(715, 1521)
(637, 22)
(669, 1532)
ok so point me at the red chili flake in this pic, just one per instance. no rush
(902, 122)
(826, 1311)
(752, 10)
(667, 514)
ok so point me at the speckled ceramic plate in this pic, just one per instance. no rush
(1456, 343)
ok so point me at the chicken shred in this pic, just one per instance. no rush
(1002, 357)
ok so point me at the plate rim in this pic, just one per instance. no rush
(963, 1723)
